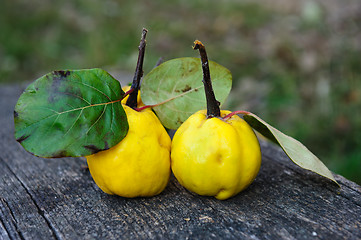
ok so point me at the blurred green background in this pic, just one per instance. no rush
(296, 64)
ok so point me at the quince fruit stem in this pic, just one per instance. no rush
(132, 100)
(213, 109)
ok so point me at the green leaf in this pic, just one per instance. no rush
(295, 150)
(178, 85)
(70, 114)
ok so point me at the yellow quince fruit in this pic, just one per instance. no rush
(138, 166)
(215, 157)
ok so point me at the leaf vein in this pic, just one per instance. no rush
(68, 111)
(94, 88)
(101, 115)
(74, 123)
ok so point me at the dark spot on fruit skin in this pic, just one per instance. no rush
(196, 89)
(22, 138)
(16, 114)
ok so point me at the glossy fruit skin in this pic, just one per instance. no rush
(138, 166)
(213, 157)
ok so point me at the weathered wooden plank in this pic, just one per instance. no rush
(57, 199)
(7, 223)
(19, 211)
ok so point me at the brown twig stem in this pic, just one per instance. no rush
(213, 109)
(127, 93)
(132, 100)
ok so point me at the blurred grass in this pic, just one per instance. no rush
(295, 64)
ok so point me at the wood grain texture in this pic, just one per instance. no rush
(57, 199)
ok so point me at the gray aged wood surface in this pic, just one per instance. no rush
(57, 199)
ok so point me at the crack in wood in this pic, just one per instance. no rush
(4, 233)
(13, 220)
(39, 210)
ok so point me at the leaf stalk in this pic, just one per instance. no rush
(228, 116)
